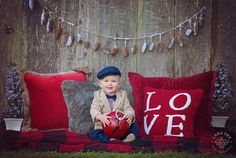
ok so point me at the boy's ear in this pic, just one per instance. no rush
(99, 83)
(121, 83)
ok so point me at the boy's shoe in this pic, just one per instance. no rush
(112, 139)
(130, 137)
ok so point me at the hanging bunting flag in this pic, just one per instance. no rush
(78, 38)
(125, 50)
(97, 45)
(133, 48)
(31, 4)
(114, 49)
(189, 30)
(106, 48)
(58, 30)
(172, 41)
(160, 45)
(144, 47)
(43, 18)
(195, 28)
(179, 38)
(70, 38)
(69, 41)
(200, 19)
(86, 44)
(49, 25)
(151, 45)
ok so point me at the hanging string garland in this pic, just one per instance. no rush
(194, 23)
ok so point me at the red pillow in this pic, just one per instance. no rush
(47, 106)
(204, 81)
(170, 112)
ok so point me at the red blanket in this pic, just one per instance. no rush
(65, 141)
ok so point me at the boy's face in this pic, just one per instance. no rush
(110, 84)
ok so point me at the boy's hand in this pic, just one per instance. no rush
(104, 119)
(128, 118)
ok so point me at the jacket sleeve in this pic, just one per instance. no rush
(95, 108)
(128, 109)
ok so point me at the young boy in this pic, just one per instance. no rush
(111, 98)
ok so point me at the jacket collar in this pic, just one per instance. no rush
(104, 99)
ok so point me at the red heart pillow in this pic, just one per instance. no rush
(47, 106)
(204, 81)
(170, 112)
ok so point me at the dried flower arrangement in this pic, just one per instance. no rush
(223, 97)
(13, 93)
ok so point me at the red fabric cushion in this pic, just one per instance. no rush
(47, 106)
(170, 112)
(204, 81)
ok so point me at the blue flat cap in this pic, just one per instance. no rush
(109, 70)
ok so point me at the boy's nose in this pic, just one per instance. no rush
(109, 83)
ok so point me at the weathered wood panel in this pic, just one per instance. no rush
(12, 41)
(31, 47)
(133, 19)
(224, 37)
(195, 56)
(155, 17)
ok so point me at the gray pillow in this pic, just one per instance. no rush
(78, 97)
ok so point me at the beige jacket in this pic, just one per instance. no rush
(100, 105)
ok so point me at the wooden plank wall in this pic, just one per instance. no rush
(12, 39)
(223, 40)
(30, 46)
(134, 18)
(36, 49)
